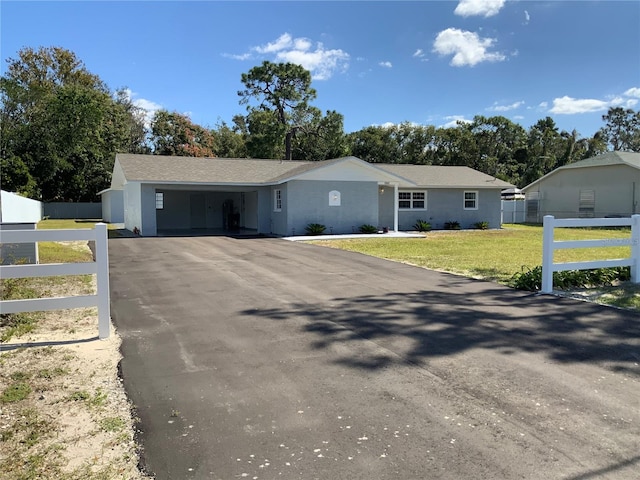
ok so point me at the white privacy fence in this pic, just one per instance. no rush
(549, 245)
(100, 267)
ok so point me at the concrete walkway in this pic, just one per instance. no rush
(264, 359)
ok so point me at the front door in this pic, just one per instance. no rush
(198, 210)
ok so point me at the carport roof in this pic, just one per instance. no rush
(159, 168)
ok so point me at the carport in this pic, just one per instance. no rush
(208, 209)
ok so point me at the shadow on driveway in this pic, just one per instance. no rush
(425, 324)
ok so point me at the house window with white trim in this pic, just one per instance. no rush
(277, 200)
(412, 200)
(159, 200)
(471, 200)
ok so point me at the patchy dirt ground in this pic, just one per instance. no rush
(63, 410)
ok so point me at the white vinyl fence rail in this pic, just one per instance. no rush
(100, 267)
(549, 245)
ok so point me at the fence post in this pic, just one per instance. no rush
(635, 248)
(547, 253)
(102, 266)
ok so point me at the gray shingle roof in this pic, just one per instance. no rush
(436, 176)
(159, 168)
(610, 158)
(244, 171)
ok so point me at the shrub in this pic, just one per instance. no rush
(531, 279)
(422, 226)
(481, 225)
(368, 229)
(315, 229)
(453, 225)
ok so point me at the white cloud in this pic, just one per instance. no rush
(283, 41)
(322, 63)
(543, 104)
(485, 8)
(385, 64)
(571, 106)
(527, 17)
(242, 56)
(505, 108)
(633, 92)
(419, 53)
(453, 121)
(467, 48)
(149, 107)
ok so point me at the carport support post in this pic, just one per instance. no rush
(547, 253)
(635, 248)
(102, 281)
(396, 205)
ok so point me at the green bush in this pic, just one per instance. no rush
(422, 226)
(453, 225)
(531, 279)
(315, 229)
(368, 229)
(481, 225)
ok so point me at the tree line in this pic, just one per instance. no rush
(61, 126)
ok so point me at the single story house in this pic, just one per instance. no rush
(163, 194)
(18, 213)
(606, 185)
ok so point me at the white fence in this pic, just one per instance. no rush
(100, 267)
(549, 245)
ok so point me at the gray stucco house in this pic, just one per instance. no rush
(606, 185)
(162, 194)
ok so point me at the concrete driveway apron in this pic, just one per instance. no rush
(264, 359)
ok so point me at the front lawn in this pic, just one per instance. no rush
(487, 254)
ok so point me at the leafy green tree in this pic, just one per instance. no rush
(544, 150)
(622, 129)
(284, 89)
(16, 177)
(173, 133)
(374, 144)
(265, 137)
(231, 141)
(320, 137)
(60, 122)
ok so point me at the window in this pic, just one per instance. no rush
(159, 200)
(533, 204)
(277, 200)
(412, 200)
(470, 200)
(587, 205)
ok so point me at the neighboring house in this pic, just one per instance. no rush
(18, 213)
(163, 194)
(607, 185)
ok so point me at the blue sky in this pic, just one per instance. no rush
(376, 63)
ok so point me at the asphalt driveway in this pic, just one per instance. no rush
(264, 359)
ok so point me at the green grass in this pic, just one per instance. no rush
(15, 392)
(488, 254)
(16, 325)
